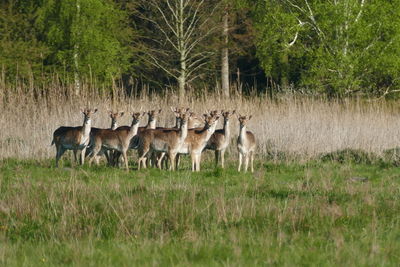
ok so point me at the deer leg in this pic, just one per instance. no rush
(93, 156)
(252, 159)
(59, 152)
(246, 162)
(240, 161)
(223, 158)
(216, 157)
(198, 160)
(108, 155)
(178, 161)
(193, 158)
(160, 159)
(115, 158)
(173, 162)
(75, 152)
(124, 154)
(83, 153)
(142, 159)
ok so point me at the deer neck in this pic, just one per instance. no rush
(177, 120)
(114, 125)
(183, 132)
(208, 131)
(87, 125)
(242, 133)
(151, 124)
(226, 128)
(134, 128)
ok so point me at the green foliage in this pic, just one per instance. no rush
(21, 51)
(341, 48)
(93, 30)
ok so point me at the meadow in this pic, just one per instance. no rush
(325, 190)
(318, 213)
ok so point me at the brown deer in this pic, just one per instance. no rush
(114, 118)
(220, 139)
(246, 143)
(118, 139)
(162, 140)
(73, 138)
(114, 124)
(197, 139)
(151, 124)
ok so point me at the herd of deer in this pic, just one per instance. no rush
(156, 145)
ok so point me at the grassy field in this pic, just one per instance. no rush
(315, 213)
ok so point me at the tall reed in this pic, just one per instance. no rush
(301, 126)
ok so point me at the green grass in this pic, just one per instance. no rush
(284, 214)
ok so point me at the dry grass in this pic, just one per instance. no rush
(296, 126)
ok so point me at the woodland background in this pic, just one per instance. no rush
(334, 48)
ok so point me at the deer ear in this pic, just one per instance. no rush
(159, 111)
(250, 117)
(121, 113)
(234, 111)
(95, 110)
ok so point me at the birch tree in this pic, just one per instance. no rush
(175, 47)
(225, 53)
(333, 46)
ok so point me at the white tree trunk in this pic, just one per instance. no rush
(225, 57)
(76, 53)
(182, 48)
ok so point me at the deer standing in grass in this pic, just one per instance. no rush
(151, 124)
(114, 124)
(162, 140)
(246, 143)
(74, 138)
(118, 139)
(220, 139)
(160, 157)
(197, 139)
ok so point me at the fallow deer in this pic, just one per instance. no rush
(197, 139)
(246, 143)
(73, 138)
(151, 124)
(114, 124)
(162, 140)
(118, 139)
(220, 139)
(194, 122)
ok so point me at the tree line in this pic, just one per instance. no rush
(335, 47)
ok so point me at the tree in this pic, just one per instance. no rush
(86, 37)
(175, 45)
(21, 51)
(332, 46)
(225, 53)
